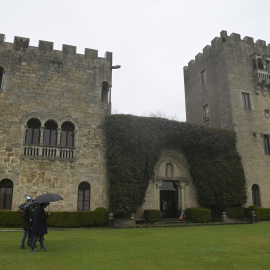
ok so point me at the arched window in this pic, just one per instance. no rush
(84, 196)
(256, 195)
(67, 134)
(1, 76)
(33, 131)
(105, 92)
(50, 133)
(6, 191)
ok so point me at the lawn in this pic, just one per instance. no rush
(201, 247)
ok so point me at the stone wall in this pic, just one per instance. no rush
(46, 84)
(230, 64)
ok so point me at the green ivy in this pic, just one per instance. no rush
(133, 149)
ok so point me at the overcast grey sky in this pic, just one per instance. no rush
(151, 40)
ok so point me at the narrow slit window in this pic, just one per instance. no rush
(1, 77)
(246, 101)
(266, 144)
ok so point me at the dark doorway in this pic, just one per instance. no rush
(168, 200)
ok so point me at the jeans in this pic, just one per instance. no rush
(26, 232)
(34, 241)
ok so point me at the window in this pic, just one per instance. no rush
(206, 114)
(67, 134)
(84, 196)
(50, 133)
(33, 132)
(266, 144)
(246, 101)
(203, 79)
(105, 92)
(1, 76)
(6, 191)
(256, 195)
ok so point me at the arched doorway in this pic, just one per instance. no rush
(169, 200)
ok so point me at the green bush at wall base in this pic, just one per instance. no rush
(99, 217)
(251, 208)
(198, 215)
(235, 212)
(264, 213)
(10, 219)
(152, 215)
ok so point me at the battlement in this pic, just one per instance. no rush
(22, 44)
(223, 38)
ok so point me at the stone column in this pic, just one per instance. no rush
(158, 184)
(58, 137)
(183, 196)
(41, 138)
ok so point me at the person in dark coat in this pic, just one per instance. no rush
(39, 227)
(26, 215)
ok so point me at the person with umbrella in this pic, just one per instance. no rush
(39, 227)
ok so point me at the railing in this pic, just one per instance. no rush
(261, 75)
(48, 152)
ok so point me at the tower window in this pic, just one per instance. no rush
(6, 191)
(50, 133)
(206, 114)
(1, 76)
(83, 196)
(105, 92)
(203, 79)
(33, 132)
(266, 144)
(256, 195)
(246, 101)
(67, 134)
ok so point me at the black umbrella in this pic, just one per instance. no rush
(48, 197)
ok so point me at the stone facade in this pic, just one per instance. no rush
(227, 86)
(53, 89)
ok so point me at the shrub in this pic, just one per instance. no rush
(198, 215)
(11, 219)
(250, 209)
(152, 215)
(264, 213)
(101, 216)
(235, 212)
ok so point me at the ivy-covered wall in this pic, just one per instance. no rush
(133, 149)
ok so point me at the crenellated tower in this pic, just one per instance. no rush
(53, 104)
(227, 86)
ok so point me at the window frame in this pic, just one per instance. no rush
(5, 185)
(266, 144)
(83, 202)
(246, 101)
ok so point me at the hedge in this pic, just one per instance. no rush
(198, 215)
(264, 213)
(152, 215)
(98, 217)
(235, 212)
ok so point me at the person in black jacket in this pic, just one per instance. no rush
(26, 215)
(39, 227)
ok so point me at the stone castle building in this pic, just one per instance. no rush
(227, 86)
(53, 105)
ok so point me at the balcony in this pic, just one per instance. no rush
(48, 152)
